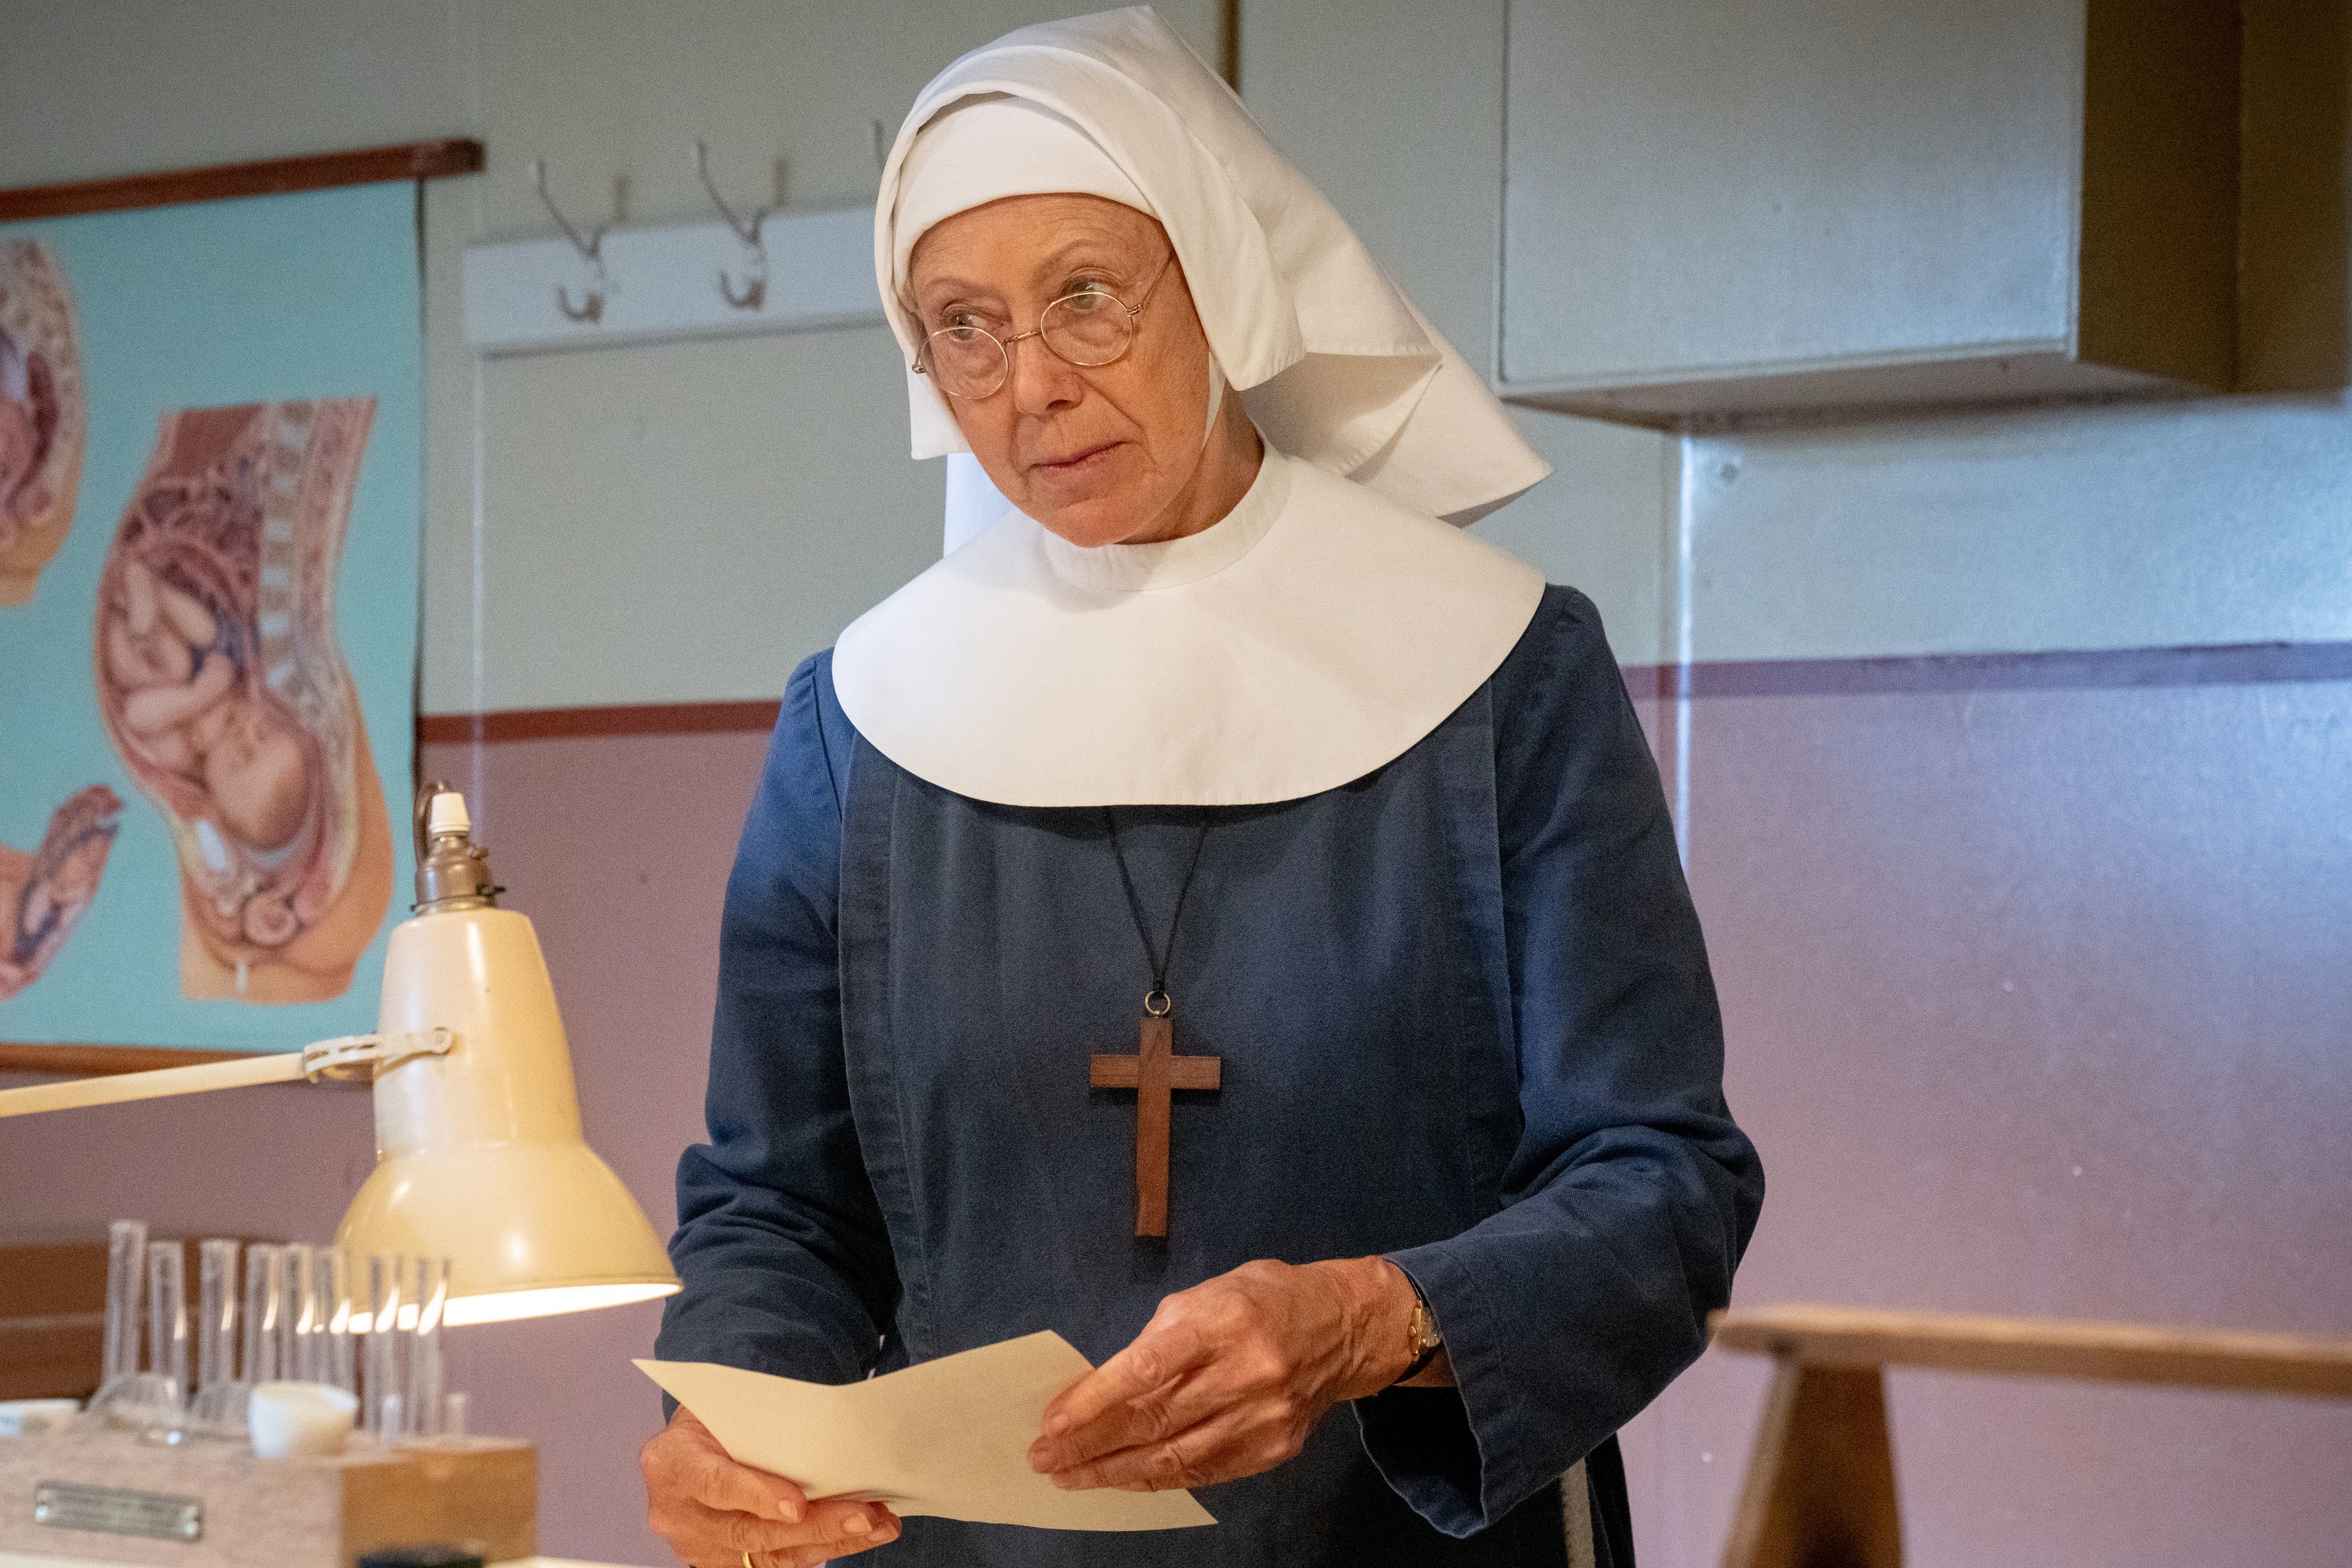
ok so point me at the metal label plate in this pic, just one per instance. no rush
(115, 1511)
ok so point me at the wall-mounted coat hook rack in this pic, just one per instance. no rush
(658, 289)
(754, 291)
(592, 309)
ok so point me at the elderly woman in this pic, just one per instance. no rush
(1221, 912)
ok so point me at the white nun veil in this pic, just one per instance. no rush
(1334, 364)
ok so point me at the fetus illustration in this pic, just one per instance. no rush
(223, 688)
(43, 893)
(42, 423)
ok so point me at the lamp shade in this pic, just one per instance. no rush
(480, 1156)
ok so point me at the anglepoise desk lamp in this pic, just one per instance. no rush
(480, 1157)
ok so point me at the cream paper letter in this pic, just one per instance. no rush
(948, 1438)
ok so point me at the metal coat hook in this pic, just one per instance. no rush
(592, 307)
(755, 287)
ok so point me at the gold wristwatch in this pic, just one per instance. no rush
(1422, 1340)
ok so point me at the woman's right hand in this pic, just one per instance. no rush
(716, 1513)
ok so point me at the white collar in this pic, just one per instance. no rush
(1311, 636)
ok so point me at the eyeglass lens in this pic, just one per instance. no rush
(1090, 328)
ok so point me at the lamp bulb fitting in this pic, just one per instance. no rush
(446, 815)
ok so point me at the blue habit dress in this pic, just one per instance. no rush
(1465, 1021)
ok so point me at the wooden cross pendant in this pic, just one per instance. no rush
(1152, 1071)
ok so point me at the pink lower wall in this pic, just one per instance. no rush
(1973, 938)
(2037, 981)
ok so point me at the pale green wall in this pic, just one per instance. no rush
(688, 521)
(2166, 525)
(682, 523)
(97, 87)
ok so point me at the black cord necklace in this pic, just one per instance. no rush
(1159, 958)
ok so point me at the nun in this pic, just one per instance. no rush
(1222, 911)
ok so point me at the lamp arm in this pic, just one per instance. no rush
(357, 1055)
(76, 1092)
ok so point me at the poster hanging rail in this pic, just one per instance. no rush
(268, 177)
(96, 1060)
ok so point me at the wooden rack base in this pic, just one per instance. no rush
(479, 1492)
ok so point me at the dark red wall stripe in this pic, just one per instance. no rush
(577, 723)
(2245, 663)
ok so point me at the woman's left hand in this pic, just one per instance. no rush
(1230, 1376)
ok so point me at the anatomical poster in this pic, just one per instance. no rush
(209, 516)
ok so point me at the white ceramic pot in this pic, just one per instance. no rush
(299, 1420)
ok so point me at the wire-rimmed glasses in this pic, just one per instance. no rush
(1092, 326)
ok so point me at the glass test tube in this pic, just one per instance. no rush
(334, 1282)
(216, 1314)
(167, 1316)
(383, 1369)
(288, 1310)
(126, 1274)
(264, 1272)
(425, 1373)
(305, 1355)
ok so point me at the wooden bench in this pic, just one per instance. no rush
(52, 1318)
(1820, 1490)
(53, 1314)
